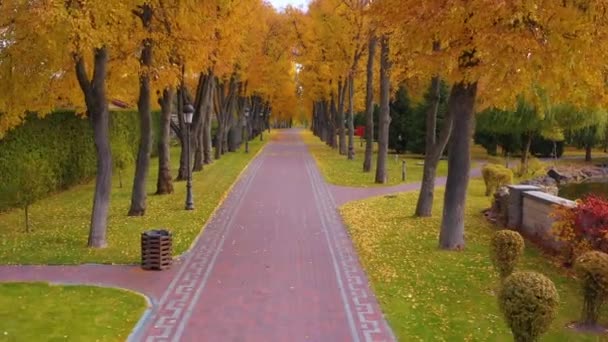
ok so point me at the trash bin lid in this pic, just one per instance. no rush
(157, 233)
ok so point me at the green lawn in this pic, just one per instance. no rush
(573, 151)
(42, 312)
(60, 222)
(338, 170)
(433, 295)
(571, 156)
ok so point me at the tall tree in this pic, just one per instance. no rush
(65, 42)
(460, 107)
(535, 42)
(434, 148)
(145, 13)
(333, 39)
(342, 87)
(356, 15)
(385, 116)
(164, 184)
(369, 104)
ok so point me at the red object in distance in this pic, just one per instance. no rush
(360, 131)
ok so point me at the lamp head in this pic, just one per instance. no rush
(188, 113)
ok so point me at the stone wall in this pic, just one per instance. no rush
(529, 212)
(536, 216)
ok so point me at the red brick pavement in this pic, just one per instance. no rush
(152, 284)
(275, 264)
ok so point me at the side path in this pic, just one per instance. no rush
(345, 194)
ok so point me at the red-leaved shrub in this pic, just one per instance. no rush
(584, 227)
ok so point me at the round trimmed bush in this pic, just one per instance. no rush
(592, 269)
(506, 248)
(529, 303)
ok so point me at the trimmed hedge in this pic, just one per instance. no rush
(506, 248)
(529, 303)
(495, 176)
(64, 142)
(592, 269)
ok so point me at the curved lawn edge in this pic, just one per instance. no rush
(66, 310)
(151, 306)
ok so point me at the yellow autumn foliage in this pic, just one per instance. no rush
(39, 42)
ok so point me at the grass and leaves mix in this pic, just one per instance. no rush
(338, 170)
(433, 295)
(38, 311)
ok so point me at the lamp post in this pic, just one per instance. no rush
(246, 129)
(262, 126)
(188, 114)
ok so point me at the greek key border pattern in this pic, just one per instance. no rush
(368, 318)
(175, 306)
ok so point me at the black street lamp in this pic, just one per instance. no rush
(246, 129)
(262, 126)
(188, 114)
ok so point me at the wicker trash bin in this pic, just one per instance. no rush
(156, 250)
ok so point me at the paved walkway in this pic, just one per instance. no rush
(275, 264)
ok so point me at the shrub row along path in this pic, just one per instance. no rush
(275, 263)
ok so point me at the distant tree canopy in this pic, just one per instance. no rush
(407, 133)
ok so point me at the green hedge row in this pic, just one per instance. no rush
(62, 144)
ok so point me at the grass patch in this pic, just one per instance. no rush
(433, 295)
(338, 170)
(60, 222)
(571, 151)
(37, 311)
